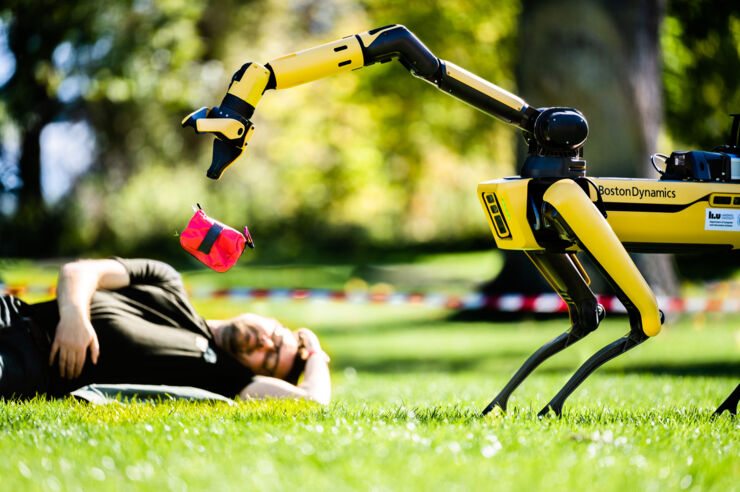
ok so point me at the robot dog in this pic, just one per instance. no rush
(551, 210)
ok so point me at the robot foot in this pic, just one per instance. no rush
(617, 347)
(543, 353)
(730, 404)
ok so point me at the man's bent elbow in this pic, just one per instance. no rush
(321, 396)
(74, 268)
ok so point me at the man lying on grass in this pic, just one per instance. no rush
(134, 320)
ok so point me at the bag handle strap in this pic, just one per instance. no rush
(210, 238)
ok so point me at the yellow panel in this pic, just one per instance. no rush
(231, 129)
(512, 197)
(252, 84)
(250, 132)
(316, 63)
(484, 86)
(666, 212)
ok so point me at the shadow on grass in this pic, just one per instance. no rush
(384, 326)
(509, 362)
(705, 368)
(381, 326)
(496, 316)
(503, 363)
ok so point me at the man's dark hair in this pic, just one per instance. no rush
(299, 365)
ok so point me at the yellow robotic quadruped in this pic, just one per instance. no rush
(552, 209)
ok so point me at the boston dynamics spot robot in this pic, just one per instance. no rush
(551, 210)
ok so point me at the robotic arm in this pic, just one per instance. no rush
(562, 130)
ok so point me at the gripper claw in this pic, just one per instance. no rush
(617, 347)
(730, 404)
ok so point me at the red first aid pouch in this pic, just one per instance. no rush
(213, 243)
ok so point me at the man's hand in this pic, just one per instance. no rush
(309, 344)
(74, 335)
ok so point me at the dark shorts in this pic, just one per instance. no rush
(23, 367)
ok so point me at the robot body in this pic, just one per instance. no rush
(653, 216)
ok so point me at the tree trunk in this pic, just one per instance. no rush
(602, 58)
(29, 227)
(29, 166)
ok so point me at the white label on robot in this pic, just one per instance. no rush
(734, 168)
(722, 219)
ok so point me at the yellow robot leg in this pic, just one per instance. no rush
(570, 211)
(565, 274)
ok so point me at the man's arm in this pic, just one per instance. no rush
(316, 384)
(75, 334)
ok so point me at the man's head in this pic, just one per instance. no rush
(262, 344)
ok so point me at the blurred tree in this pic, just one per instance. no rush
(603, 58)
(122, 67)
(701, 65)
(701, 69)
(29, 98)
(360, 160)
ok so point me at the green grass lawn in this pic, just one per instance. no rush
(408, 387)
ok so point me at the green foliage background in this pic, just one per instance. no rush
(367, 160)
(374, 157)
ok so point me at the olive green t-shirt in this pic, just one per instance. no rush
(149, 333)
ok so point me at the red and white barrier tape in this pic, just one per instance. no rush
(512, 303)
